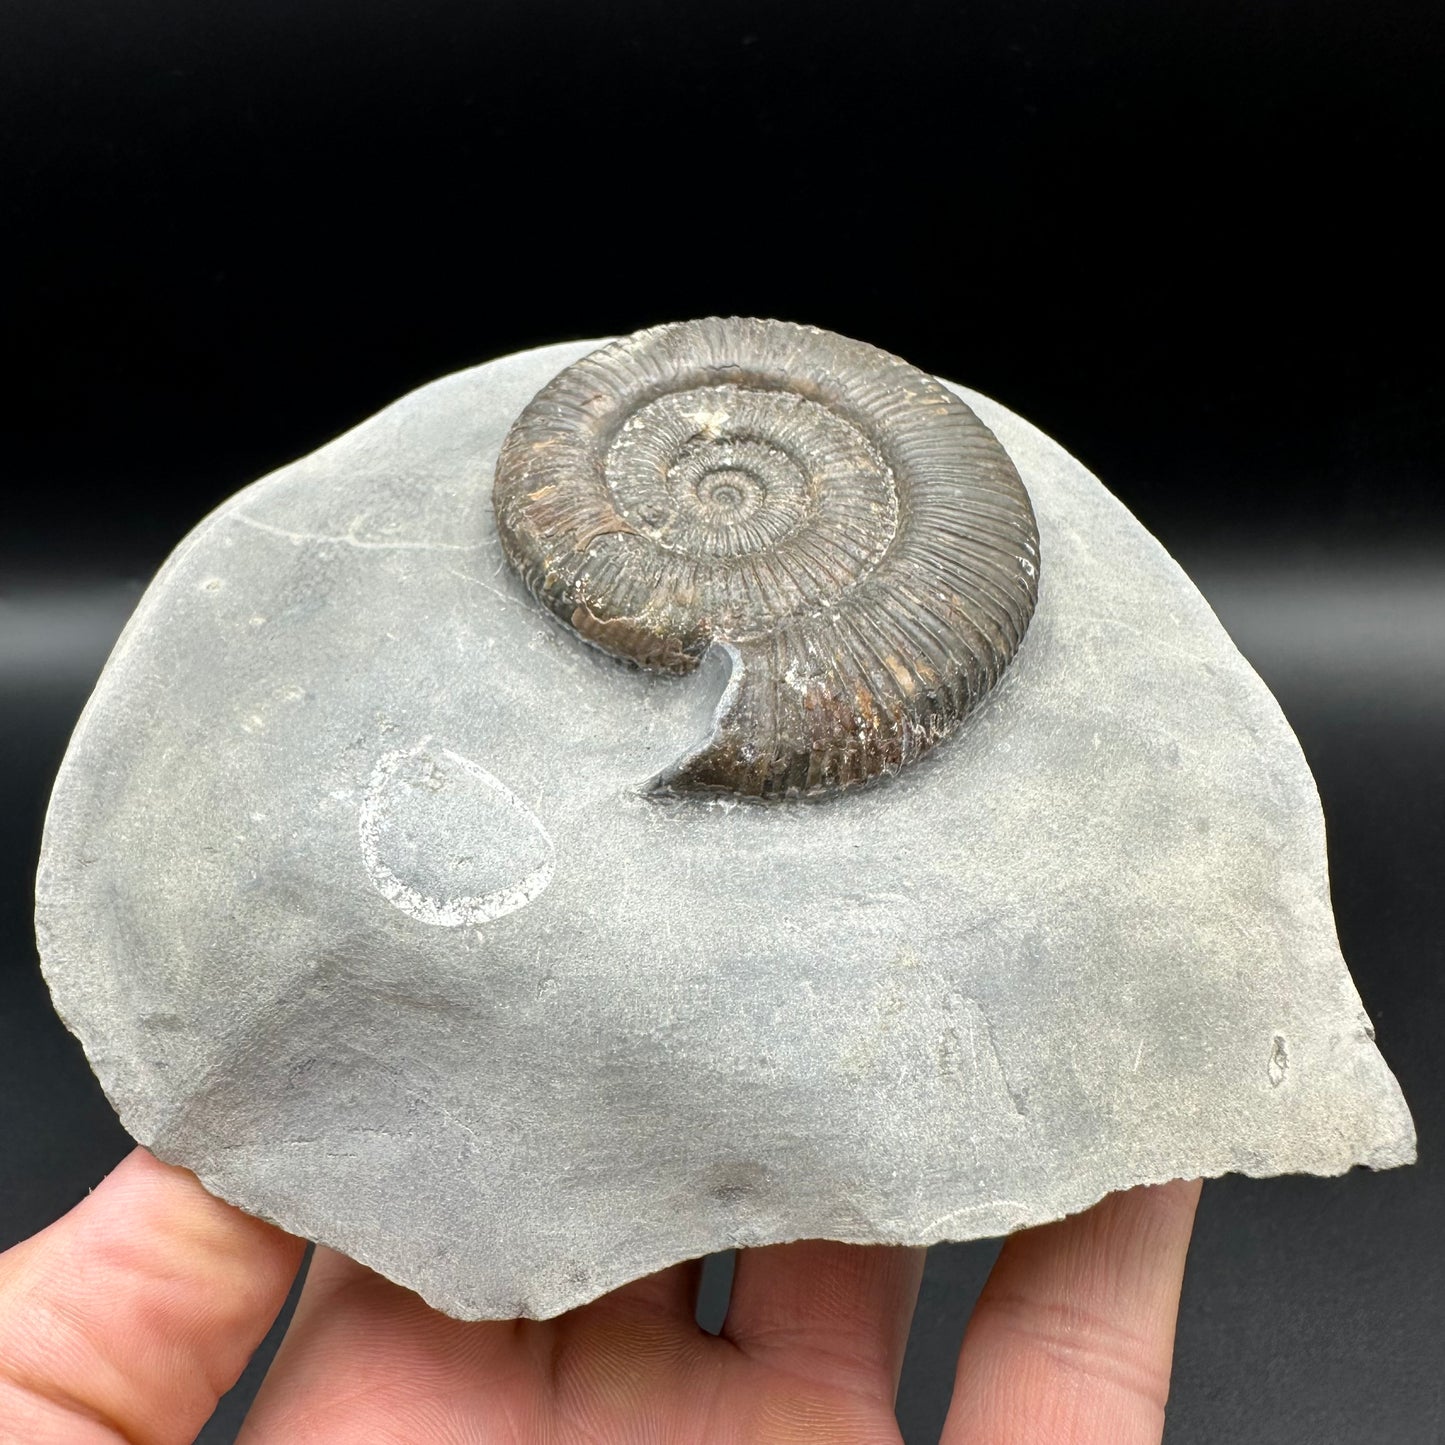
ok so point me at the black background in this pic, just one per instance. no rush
(1195, 242)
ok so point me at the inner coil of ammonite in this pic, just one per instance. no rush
(840, 522)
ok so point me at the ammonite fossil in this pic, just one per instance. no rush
(351, 936)
(839, 522)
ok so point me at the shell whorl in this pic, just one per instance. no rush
(840, 522)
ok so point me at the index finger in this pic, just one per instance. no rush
(1072, 1341)
(128, 1318)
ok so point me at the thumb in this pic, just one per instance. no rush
(127, 1319)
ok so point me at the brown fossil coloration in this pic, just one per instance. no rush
(844, 526)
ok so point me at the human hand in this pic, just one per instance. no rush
(127, 1319)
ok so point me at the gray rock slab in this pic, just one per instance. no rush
(349, 894)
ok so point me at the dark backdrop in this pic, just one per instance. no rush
(1192, 241)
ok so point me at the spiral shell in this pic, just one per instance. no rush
(838, 521)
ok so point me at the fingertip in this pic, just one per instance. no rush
(141, 1306)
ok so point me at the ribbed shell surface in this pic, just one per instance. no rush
(842, 524)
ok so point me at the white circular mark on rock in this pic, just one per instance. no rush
(448, 843)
